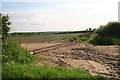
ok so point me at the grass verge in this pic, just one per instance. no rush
(34, 71)
(13, 53)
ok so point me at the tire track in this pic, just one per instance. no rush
(36, 51)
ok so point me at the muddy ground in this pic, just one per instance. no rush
(98, 60)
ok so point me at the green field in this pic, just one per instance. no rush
(43, 38)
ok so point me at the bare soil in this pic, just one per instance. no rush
(32, 46)
(98, 60)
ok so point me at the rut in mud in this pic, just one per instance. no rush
(99, 60)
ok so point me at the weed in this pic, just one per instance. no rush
(34, 71)
(12, 53)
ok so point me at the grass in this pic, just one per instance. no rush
(12, 53)
(84, 40)
(95, 40)
(34, 71)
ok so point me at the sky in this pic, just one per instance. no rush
(58, 15)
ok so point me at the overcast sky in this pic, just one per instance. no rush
(59, 15)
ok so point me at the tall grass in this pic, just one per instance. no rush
(78, 39)
(34, 71)
(12, 53)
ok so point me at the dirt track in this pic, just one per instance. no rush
(98, 60)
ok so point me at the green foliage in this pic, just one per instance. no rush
(79, 39)
(0, 25)
(112, 29)
(82, 39)
(90, 30)
(101, 41)
(5, 26)
(13, 53)
(107, 34)
(116, 41)
(34, 71)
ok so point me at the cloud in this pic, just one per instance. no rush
(30, 20)
(68, 16)
(81, 1)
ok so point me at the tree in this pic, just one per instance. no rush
(94, 29)
(90, 29)
(112, 29)
(5, 26)
(0, 25)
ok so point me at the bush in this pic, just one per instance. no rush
(107, 34)
(12, 53)
(78, 39)
(116, 41)
(101, 41)
(112, 29)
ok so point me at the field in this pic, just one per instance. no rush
(98, 60)
(43, 38)
(56, 40)
(93, 59)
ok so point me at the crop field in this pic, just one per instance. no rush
(44, 38)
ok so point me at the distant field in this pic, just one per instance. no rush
(43, 38)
